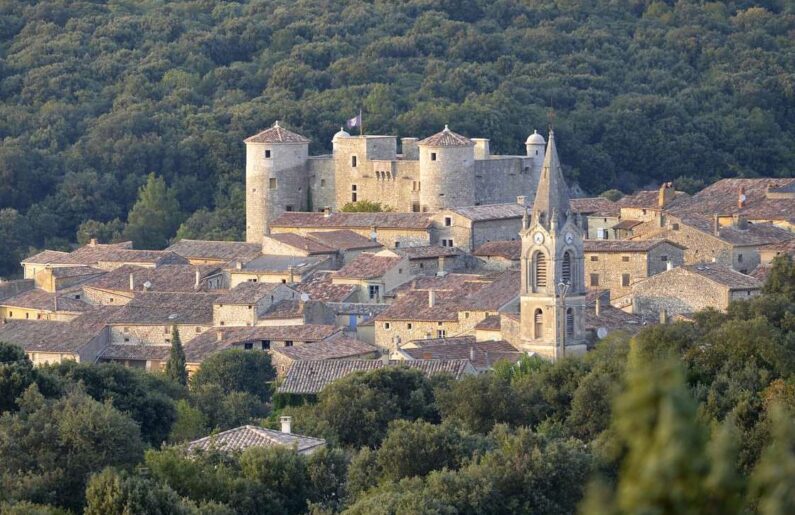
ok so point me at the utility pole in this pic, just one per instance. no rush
(563, 289)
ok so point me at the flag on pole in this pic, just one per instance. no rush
(356, 121)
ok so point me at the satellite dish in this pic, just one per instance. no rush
(601, 332)
(304, 297)
(147, 285)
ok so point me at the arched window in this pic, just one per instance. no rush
(569, 322)
(538, 324)
(540, 270)
(565, 273)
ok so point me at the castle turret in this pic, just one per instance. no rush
(535, 145)
(552, 304)
(447, 171)
(276, 178)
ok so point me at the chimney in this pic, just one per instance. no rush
(741, 197)
(132, 282)
(669, 265)
(521, 200)
(291, 271)
(326, 212)
(198, 280)
(715, 225)
(598, 306)
(441, 265)
(740, 221)
(92, 242)
(663, 316)
(431, 298)
(666, 194)
(373, 233)
(481, 148)
(287, 424)
(472, 353)
(385, 358)
(238, 265)
(219, 335)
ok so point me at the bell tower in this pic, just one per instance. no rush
(552, 304)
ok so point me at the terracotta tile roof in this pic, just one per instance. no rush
(135, 351)
(761, 272)
(320, 287)
(284, 309)
(44, 301)
(429, 251)
(356, 308)
(208, 342)
(611, 318)
(279, 264)
(722, 197)
(649, 199)
(482, 355)
(302, 243)
(93, 255)
(753, 234)
(216, 250)
(414, 305)
(11, 288)
(724, 275)
(446, 138)
(597, 206)
(344, 240)
(625, 245)
(491, 211)
(507, 249)
(276, 134)
(46, 335)
(368, 266)
(490, 323)
(160, 308)
(244, 437)
(627, 224)
(311, 376)
(432, 342)
(335, 348)
(784, 247)
(492, 297)
(247, 293)
(47, 257)
(417, 221)
(165, 278)
(87, 272)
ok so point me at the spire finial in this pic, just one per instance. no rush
(276, 123)
(551, 119)
(446, 128)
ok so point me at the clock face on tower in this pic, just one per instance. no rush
(538, 238)
(569, 238)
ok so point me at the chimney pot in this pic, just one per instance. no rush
(521, 200)
(287, 424)
(326, 212)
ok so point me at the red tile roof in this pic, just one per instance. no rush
(446, 138)
(276, 134)
(368, 266)
(508, 249)
(417, 221)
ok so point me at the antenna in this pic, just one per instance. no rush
(551, 117)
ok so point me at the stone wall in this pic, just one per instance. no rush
(152, 334)
(610, 267)
(700, 247)
(322, 182)
(677, 292)
(390, 334)
(447, 175)
(106, 298)
(501, 179)
(10, 288)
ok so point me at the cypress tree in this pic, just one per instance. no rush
(175, 366)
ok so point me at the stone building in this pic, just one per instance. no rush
(690, 288)
(552, 304)
(470, 226)
(374, 275)
(599, 216)
(445, 170)
(616, 265)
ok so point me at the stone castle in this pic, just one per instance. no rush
(446, 170)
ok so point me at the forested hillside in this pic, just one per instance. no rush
(94, 96)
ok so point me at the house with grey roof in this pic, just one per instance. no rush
(245, 437)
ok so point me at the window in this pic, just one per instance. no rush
(422, 265)
(441, 333)
(288, 343)
(538, 324)
(223, 323)
(415, 207)
(27, 315)
(167, 340)
(397, 244)
(594, 279)
(272, 183)
(540, 270)
(126, 340)
(408, 325)
(447, 242)
(625, 259)
(566, 268)
(663, 258)
(594, 258)
(569, 322)
(373, 291)
(601, 234)
(198, 330)
(466, 314)
(625, 280)
(675, 227)
(322, 182)
(387, 326)
(110, 299)
(433, 156)
(448, 221)
(643, 211)
(353, 161)
(354, 195)
(165, 330)
(266, 344)
(400, 270)
(288, 208)
(248, 346)
(77, 297)
(739, 258)
(267, 154)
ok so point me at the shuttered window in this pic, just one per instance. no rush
(569, 322)
(566, 269)
(541, 270)
(538, 321)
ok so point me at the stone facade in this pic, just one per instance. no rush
(428, 175)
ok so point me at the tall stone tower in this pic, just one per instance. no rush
(447, 171)
(552, 304)
(276, 178)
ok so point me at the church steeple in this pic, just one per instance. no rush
(552, 194)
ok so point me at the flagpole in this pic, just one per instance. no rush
(361, 123)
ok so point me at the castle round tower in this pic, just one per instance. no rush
(276, 178)
(447, 171)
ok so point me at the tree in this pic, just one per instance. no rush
(16, 375)
(479, 402)
(237, 370)
(108, 232)
(781, 278)
(175, 366)
(612, 194)
(15, 235)
(773, 481)
(365, 206)
(155, 217)
(117, 493)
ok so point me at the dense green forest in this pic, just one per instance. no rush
(690, 417)
(94, 96)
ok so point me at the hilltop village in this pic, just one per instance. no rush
(483, 258)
